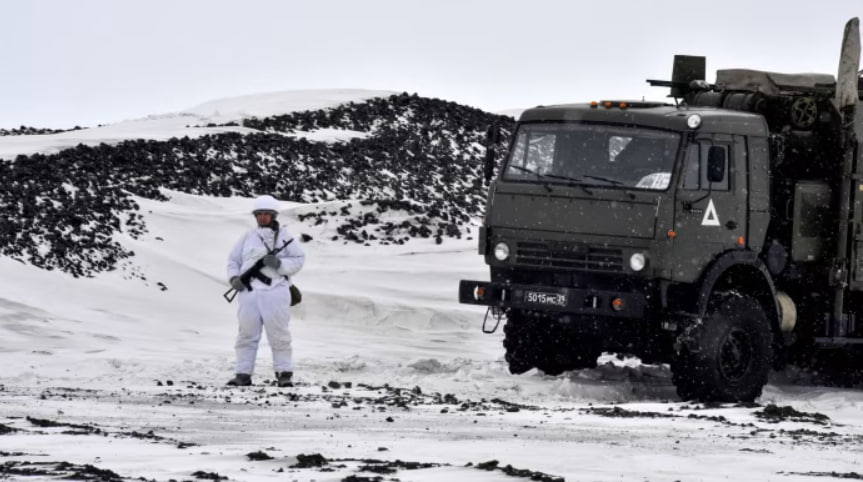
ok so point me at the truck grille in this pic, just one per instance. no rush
(569, 256)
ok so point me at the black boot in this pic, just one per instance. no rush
(284, 379)
(240, 380)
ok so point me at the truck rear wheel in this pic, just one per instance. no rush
(730, 354)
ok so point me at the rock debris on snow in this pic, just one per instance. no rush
(746, 425)
(415, 173)
(775, 414)
(32, 131)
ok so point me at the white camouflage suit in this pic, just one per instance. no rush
(265, 306)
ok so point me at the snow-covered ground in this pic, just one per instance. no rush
(125, 372)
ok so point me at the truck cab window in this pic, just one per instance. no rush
(696, 170)
(691, 169)
(532, 154)
(612, 157)
(616, 145)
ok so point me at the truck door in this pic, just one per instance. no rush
(710, 205)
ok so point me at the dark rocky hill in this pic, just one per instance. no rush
(419, 156)
(30, 131)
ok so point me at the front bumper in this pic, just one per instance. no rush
(578, 301)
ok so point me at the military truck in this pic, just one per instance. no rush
(721, 233)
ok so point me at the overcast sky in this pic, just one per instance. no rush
(85, 62)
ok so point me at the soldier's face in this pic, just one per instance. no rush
(264, 218)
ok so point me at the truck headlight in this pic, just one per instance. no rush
(501, 251)
(637, 262)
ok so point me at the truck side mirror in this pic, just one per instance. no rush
(715, 164)
(492, 135)
(489, 163)
(492, 138)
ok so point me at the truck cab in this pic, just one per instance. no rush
(690, 233)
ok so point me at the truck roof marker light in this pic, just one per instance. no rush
(608, 104)
(741, 241)
(617, 304)
(693, 121)
(594, 104)
(623, 105)
(672, 233)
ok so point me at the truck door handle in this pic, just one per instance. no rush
(731, 224)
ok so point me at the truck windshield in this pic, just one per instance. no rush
(590, 154)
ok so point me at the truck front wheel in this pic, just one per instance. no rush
(727, 357)
(520, 343)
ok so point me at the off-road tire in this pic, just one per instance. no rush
(519, 344)
(732, 355)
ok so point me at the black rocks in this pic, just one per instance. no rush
(514, 472)
(419, 161)
(259, 455)
(31, 131)
(57, 470)
(310, 460)
(202, 475)
(775, 414)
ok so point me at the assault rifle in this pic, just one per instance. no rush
(254, 271)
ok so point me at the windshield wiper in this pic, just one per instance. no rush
(605, 179)
(613, 182)
(576, 181)
(565, 178)
(538, 175)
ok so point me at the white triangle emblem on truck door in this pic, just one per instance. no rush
(710, 216)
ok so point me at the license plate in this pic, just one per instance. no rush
(543, 298)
